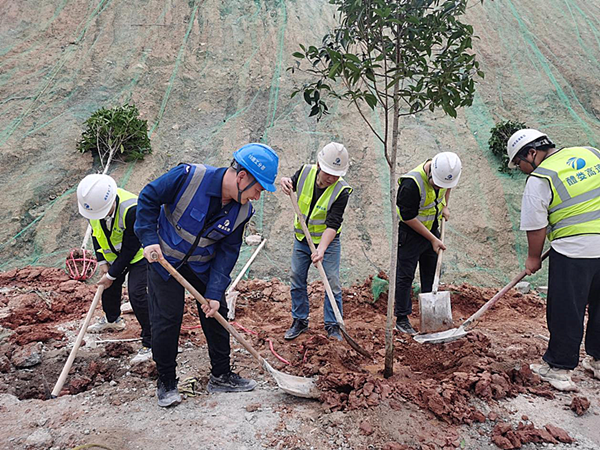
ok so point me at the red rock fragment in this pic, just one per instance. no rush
(580, 405)
(559, 434)
(366, 428)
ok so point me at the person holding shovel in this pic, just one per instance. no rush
(194, 216)
(561, 202)
(422, 200)
(322, 198)
(112, 213)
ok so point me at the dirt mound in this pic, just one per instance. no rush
(443, 379)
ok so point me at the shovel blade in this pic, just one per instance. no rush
(293, 385)
(436, 311)
(441, 337)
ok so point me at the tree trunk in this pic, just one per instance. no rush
(388, 370)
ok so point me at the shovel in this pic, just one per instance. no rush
(461, 331)
(297, 386)
(65, 372)
(434, 306)
(336, 310)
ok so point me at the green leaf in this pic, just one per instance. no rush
(334, 70)
(371, 100)
(298, 55)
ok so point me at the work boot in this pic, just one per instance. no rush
(333, 332)
(229, 382)
(144, 354)
(298, 327)
(103, 325)
(167, 393)
(403, 326)
(558, 378)
(593, 365)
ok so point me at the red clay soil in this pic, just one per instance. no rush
(441, 378)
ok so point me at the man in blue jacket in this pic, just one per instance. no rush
(194, 216)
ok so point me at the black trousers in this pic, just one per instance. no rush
(166, 314)
(573, 284)
(412, 249)
(138, 296)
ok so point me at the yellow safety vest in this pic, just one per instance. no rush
(305, 187)
(428, 206)
(126, 201)
(574, 177)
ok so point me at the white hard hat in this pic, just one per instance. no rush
(333, 159)
(520, 139)
(445, 169)
(95, 195)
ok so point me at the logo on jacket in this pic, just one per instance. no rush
(225, 226)
(576, 163)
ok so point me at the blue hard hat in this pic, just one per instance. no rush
(261, 162)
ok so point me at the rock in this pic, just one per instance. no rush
(28, 356)
(253, 239)
(253, 407)
(523, 287)
(39, 439)
(579, 404)
(366, 428)
(559, 433)
(478, 417)
(68, 286)
(5, 364)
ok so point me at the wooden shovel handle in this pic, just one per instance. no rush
(198, 296)
(471, 320)
(63, 375)
(438, 266)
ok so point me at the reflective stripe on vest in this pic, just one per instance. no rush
(316, 223)
(574, 178)
(126, 201)
(181, 222)
(429, 200)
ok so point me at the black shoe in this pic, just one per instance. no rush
(298, 327)
(333, 332)
(229, 382)
(403, 326)
(167, 393)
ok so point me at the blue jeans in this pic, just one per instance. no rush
(301, 261)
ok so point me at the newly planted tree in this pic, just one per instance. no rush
(118, 131)
(398, 58)
(500, 134)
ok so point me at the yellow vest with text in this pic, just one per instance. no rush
(305, 187)
(428, 205)
(126, 201)
(574, 177)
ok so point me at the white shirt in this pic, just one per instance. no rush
(534, 216)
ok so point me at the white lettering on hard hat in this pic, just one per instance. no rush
(260, 165)
(518, 139)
